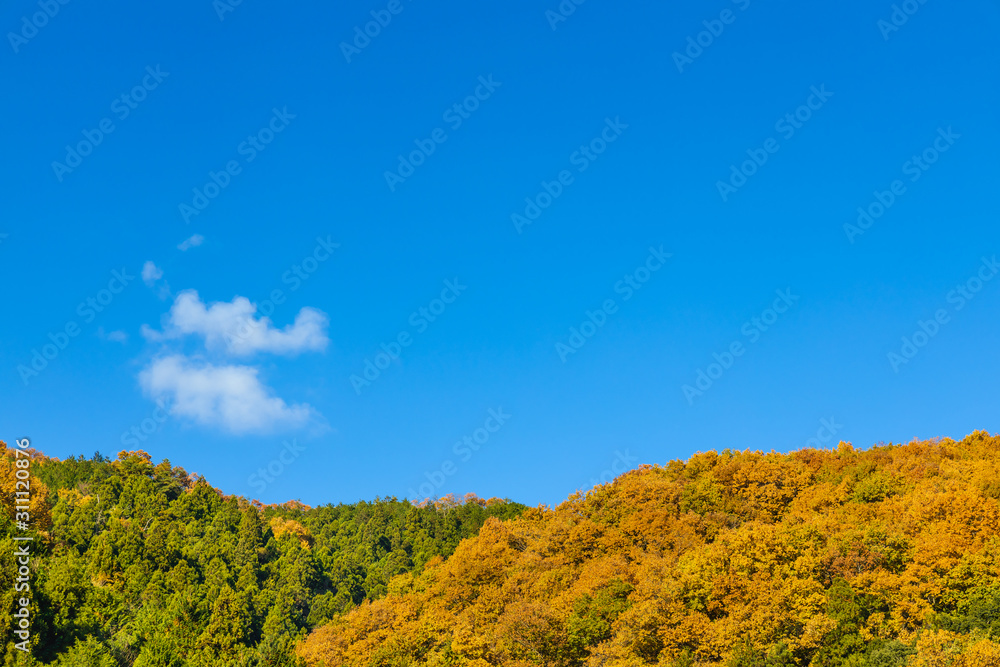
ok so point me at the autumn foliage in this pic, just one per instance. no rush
(886, 556)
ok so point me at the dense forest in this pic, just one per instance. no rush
(143, 565)
(883, 557)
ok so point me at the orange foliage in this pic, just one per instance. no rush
(696, 558)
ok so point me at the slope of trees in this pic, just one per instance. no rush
(881, 558)
(142, 565)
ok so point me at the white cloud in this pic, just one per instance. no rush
(113, 336)
(151, 273)
(190, 242)
(234, 328)
(229, 397)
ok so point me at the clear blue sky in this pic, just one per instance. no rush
(636, 132)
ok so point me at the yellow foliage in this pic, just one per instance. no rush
(947, 649)
(281, 527)
(25, 485)
(683, 563)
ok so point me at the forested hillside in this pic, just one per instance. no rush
(142, 564)
(884, 557)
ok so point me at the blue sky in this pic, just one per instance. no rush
(636, 236)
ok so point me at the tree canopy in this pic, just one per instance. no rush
(140, 564)
(883, 557)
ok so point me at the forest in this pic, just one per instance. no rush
(885, 557)
(147, 566)
(880, 557)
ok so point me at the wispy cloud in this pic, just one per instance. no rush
(113, 336)
(151, 273)
(190, 242)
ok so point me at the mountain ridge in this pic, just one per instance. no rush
(887, 556)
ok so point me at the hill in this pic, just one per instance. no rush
(883, 557)
(136, 564)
